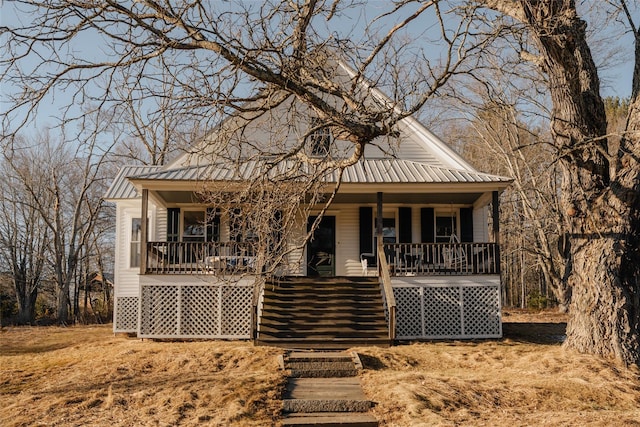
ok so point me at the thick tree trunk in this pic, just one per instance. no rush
(604, 267)
(601, 204)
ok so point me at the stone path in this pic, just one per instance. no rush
(323, 390)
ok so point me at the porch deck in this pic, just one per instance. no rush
(404, 259)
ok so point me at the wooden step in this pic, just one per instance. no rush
(357, 323)
(321, 344)
(322, 333)
(317, 311)
(329, 419)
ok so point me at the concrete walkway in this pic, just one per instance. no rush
(323, 390)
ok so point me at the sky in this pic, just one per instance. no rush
(615, 76)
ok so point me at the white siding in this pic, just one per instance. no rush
(160, 234)
(126, 283)
(481, 224)
(416, 230)
(297, 257)
(126, 279)
(348, 241)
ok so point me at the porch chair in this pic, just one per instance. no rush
(365, 262)
(455, 257)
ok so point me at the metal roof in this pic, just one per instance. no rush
(121, 187)
(366, 171)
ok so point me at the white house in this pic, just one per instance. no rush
(182, 272)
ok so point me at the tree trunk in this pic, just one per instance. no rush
(601, 205)
(26, 296)
(599, 210)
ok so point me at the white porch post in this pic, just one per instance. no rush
(144, 233)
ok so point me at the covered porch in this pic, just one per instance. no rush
(403, 259)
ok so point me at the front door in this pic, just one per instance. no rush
(321, 250)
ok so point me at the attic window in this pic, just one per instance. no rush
(320, 138)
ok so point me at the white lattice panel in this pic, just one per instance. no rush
(195, 311)
(159, 311)
(409, 312)
(126, 314)
(442, 314)
(481, 311)
(236, 311)
(200, 311)
(447, 311)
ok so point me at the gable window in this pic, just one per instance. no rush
(320, 138)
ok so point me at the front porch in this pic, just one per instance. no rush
(403, 259)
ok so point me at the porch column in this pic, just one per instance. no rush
(379, 216)
(496, 216)
(143, 231)
(496, 226)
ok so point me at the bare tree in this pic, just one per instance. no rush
(498, 138)
(23, 235)
(57, 183)
(145, 123)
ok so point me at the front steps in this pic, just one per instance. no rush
(322, 313)
(323, 391)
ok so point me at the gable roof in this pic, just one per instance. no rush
(415, 141)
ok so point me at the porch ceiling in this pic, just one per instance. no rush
(410, 198)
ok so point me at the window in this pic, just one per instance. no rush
(388, 230)
(135, 242)
(446, 226)
(193, 226)
(320, 138)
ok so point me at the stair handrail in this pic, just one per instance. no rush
(385, 278)
(258, 289)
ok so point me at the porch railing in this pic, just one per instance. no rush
(425, 259)
(200, 257)
(387, 293)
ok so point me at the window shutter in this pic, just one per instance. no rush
(427, 231)
(173, 224)
(235, 225)
(212, 219)
(366, 229)
(404, 225)
(466, 224)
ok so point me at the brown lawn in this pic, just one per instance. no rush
(87, 376)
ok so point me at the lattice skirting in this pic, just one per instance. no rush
(125, 317)
(195, 311)
(448, 312)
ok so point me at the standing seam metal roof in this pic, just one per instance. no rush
(367, 171)
(121, 187)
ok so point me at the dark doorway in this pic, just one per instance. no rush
(321, 250)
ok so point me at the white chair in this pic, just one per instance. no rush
(365, 262)
(455, 257)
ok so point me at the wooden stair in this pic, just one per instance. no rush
(318, 312)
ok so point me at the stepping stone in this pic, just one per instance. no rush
(323, 390)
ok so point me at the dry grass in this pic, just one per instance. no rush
(527, 379)
(86, 376)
